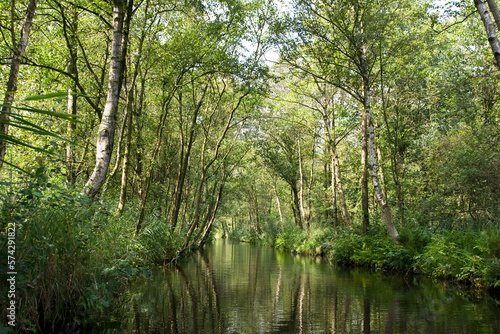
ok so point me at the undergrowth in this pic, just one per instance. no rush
(469, 256)
(73, 258)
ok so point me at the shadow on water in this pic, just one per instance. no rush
(239, 288)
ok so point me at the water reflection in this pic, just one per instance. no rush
(239, 288)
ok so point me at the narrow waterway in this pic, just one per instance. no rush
(240, 288)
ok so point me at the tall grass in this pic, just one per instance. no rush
(73, 258)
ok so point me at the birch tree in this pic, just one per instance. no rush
(489, 26)
(342, 36)
(11, 88)
(106, 132)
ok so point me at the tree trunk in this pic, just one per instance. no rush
(309, 186)
(296, 206)
(395, 152)
(489, 26)
(126, 154)
(374, 169)
(334, 194)
(143, 198)
(303, 212)
(196, 216)
(494, 10)
(130, 114)
(72, 44)
(372, 151)
(279, 203)
(393, 139)
(184, 154)
(14, 73)
(365, 207)
(382, 177)
(70, 155)
(207, 229)
(119, 153)
(337, 176)
(106, 132)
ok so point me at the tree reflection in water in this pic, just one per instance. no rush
(239, 288)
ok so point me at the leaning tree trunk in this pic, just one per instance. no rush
(14, 73)
(184, 158)
(208, 227)
(374, 169)
(489, 26)
(494, 10)
(106, 132)
(372, 151)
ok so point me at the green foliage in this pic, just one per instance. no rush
(270, 229)
(157, 244)
(20, 119)
(72, 259)
(414, 239)
(319, 242)
(491, 273)
(463, 177)
(449, 257)
(291, 238)
(345, 246)
(465, 256)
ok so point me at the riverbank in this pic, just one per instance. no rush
(235, 287)
(73, 258)
(466, 256)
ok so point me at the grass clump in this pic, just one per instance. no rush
(73, 258)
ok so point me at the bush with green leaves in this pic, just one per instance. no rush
(157, 244)
(469, 256)
(443, 258)
(73, 258)
(290, 238)
(318, 242)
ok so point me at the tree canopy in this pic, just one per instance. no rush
(168, 117)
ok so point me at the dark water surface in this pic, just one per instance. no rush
(240, 288)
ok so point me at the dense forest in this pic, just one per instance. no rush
(133, 132)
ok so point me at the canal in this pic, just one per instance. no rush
(239, 288)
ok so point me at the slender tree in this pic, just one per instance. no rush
(18, 52)
(106, 132)
(489, 26)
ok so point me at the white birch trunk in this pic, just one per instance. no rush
(279, 203)
(489, 26)
(106, 132)
(372, 151)
(301, 190)
(14, 73)
(379, 194)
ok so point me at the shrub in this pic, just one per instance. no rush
(319, 242)
(491, 273)
(290, 238)
(445, 258)
(345, 247)
(72, 258)
(156, 243)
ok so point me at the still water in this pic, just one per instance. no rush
(240, 288)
